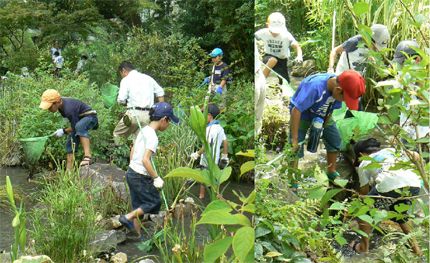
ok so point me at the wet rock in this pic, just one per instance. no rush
(158, 218)
(119, 258)
(107, 241)
(304, 69)
(5, 257)
(147, 261)
(110, 223)
(108, 177)
(34, 259)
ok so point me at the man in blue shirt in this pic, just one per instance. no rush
(317, 96)
(82, 118)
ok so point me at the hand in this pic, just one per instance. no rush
(299, 59)
(59, 132)
(330, 70)
(224, 161)
(195, 156)
(158, 182)
(219, 89)
(207, 80)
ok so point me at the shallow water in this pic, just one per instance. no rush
(18, 177)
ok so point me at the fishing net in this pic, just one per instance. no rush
(33, 148)
(109, 93)
(354, 125)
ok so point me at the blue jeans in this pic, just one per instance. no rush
(330, 136)
(143, 193)
(81, 130)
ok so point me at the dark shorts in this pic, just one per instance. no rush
(82, 128)
(389, 204)
(281, 67)
(330, 136)
(143, 192)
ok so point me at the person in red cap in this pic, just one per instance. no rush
(314, 101)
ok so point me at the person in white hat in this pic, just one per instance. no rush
(353, 55)
(277, 41)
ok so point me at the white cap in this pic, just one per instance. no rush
(276, 23)
(380, 36)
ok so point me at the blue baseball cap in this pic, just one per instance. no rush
(216, 52)
(164, 109)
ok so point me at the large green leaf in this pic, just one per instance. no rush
(328, 196)
(248, 153)
(243, 242)
(246, 167)
(216, 249)
(225, 174)
(218, 205)
(221, 217)
(361, 8)
(186, 172)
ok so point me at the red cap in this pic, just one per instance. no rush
(353, 86)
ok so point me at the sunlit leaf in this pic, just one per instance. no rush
(216, 249)
(243, 242)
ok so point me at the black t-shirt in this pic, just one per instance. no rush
(72, 108)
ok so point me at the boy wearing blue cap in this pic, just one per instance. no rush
(221, 73)
(142, 179)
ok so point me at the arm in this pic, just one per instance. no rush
(364, 190)
(147, 163)
(122, 93)
(298, 49)
(158, 90)
(225, 147)
(333, 54)
(295, 122)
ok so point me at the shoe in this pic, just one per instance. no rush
(125, 222)
(333, 175)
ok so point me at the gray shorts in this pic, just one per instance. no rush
(125, 129)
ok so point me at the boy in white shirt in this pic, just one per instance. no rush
(216, 137)
(142, 179)
(277, 41)
(386, 182)
(58, 62)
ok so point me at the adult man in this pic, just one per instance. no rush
(317, 96)
(137, 92)
(82, 118)
(353, 55)
(277, 41)
(221, 73)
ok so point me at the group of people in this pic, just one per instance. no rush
(319, 95)
(144, 117)
(58, 60)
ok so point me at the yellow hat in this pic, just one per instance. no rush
(49, 97)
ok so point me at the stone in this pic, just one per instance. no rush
(34, 259)
(119, 258)
(106, 176)
(106, 241)
(158, 218)
(305, 69)
(5, 257)
(147, 261)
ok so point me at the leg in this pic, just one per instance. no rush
(202, 191)
(331, 161)
(270, 64)
(134, 215)
(85, 145)
(364, 244)
(82, 130)
(70, 160)
(332, 142)
(413, 242)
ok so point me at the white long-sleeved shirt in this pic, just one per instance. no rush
(138, 90)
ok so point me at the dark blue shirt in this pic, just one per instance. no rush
(312, 98)
(221, 72)
(72, 108)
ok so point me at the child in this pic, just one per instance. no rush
(385, 182)
(142, 179)
(220, 74)
(81, 117)
(277, 41)
(215, 136)
(58, 61)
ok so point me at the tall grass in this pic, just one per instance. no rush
(177, 144)
(64, 223)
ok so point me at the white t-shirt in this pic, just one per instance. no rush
(278, 46)
(357, 56)
(58, 61)
(383, 178)
(138, 90)
(53, 50)
(215, 136)
(146, 139)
